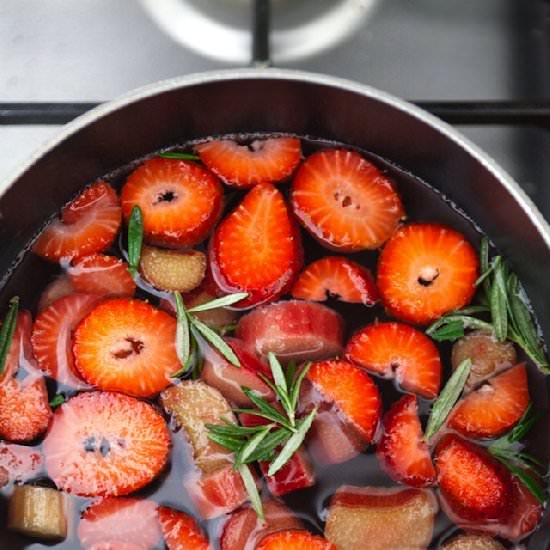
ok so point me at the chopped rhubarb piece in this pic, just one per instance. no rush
(293, 330)
(244, 529)
(379, 519)
(472, 542)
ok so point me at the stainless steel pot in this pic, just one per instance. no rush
(273, 100)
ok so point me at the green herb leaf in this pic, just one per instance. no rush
(291, 446)
(434, 330)
(264, 409)
(269, 444)
(297, 383)
(57, 400)
(242, 456)
(231, 443)
(451, 331)
(135, 239)
(7, 329)
(183, 339)
(447, 398)
(250, 486)
(498, 301)
(180, 155)
(233, 430)
(527, 479)
(278, 373)
(216, 341)
(224, 301)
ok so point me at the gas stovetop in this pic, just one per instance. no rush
(482, 66)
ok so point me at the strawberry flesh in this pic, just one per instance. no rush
(180, 531)
(294, 540)
(18, 463)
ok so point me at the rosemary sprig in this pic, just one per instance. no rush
(276, 441)
(7, 329)
(180, 155)
(508, 450)
(503, 300)
(190, 329)
(57, 399)
(447, 398)
(135, 239)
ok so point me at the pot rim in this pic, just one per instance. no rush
(167, 85)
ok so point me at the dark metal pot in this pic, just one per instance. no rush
(280, 101)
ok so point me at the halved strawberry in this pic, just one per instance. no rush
(181, 531)
(243, 529)
(267, 160)
(352, 391)
(493, 408)
(180, 201)
(293, 330)
(294, 540)
(59, 287)
(473, 484)
(103, 443)
(20, 350)
(118, 522)
(126, 345)
(402, 451)
(24, 409)
(88, 225)
(397, 350)
(52, 336)
(344, 201)
(426, 270)
(101, 274)
(256, 248)
(18, 462)
(335, 276)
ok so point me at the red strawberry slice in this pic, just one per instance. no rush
(244, 529)
(52, 337)
(345, 201)
(294, 540)
(256, 248)
(88, 225)
(126, 345)
(397, 350)
(293, 330)
(338, 277)
(18, 463)
(493, 408)
(59, 287)
(103, 443)
(20, 351)
(229, 380)
(474, 485)
(120, 523)
(24, 409)
(426, 270)
(402, 451)
(351, 390)
(180, 201)
(263, 160)
(181, 531)
(103, 275)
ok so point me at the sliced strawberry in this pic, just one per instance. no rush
(126, 345)
(402, 451)
(18, 463)
(88, 225)
(24, 409)
(244, 529)
(103, 275)
(180, 201)
(181, 531)
(344, 201)
(474, 485)
(229, 380)
(61, 286)
(293, 330)
(337, 277)
(103, 443)
(120, 523)
(351, 390)
(261, 161)
(397, 350)
(426, 270)
(294, 540)
(493, 408)
(256, 248)
(20, 351)
(52, 337)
